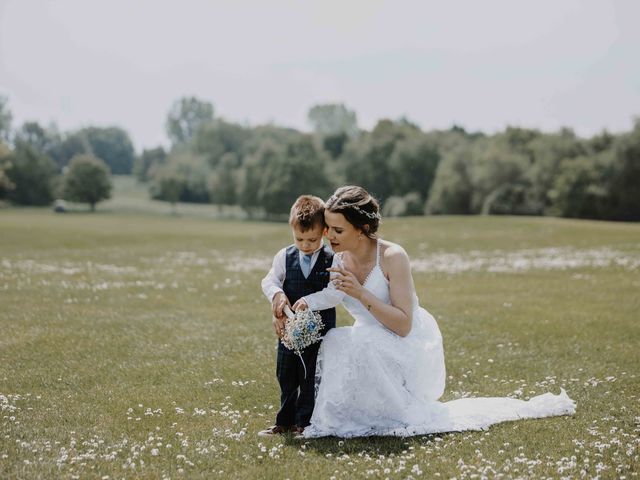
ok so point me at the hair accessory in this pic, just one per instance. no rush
(357, 208)
(371, 215)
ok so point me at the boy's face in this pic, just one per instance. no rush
(309, 241)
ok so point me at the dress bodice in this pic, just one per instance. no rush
(377, 284)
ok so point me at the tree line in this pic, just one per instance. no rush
(263, 168)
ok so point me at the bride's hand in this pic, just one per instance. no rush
(346, 282)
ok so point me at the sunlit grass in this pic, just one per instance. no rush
(141, 347)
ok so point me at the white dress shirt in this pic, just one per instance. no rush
(272, 283)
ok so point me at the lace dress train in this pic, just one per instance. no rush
(370, 381)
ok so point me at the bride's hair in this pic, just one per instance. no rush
(358, 206)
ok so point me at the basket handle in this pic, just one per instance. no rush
(288, 312)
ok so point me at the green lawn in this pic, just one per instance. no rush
(140, 346)
(131, 196)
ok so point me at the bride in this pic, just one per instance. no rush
(384, 374)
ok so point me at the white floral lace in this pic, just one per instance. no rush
(370, 381)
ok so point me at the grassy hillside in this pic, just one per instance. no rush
(140, 346)
(132, 197)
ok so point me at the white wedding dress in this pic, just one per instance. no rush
(370, 381)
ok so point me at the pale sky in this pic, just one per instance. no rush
(479, 64)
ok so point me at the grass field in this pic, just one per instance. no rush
(140, 346)
(132, 197)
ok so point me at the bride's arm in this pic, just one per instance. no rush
(396, 316)
(329, 297)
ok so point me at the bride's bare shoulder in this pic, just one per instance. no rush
(392, 254)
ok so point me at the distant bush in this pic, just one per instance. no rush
(87, 180)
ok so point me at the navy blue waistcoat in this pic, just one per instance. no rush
(296, 286)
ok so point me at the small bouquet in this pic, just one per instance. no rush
(303, 328)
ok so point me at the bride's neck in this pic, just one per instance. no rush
(365, 250)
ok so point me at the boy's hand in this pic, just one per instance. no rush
(300, 305)
(278, 325)
(277, 305)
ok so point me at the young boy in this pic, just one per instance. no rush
(298, 270)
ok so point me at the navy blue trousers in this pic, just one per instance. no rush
(297, 393)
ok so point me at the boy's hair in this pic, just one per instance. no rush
(307, 212)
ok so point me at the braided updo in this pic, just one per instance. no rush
(358, 206)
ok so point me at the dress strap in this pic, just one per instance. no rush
(378, 252)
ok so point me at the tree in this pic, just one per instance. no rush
(71, 144)
(113, 146)
(33, 134)
(496, 169)
(223, 185)
(366, 159)
(518, 139)
(601, 142)
(452, 188)
(168, 185)
(87, 180)
(6, 184)
(334, 144)
(31, 174)
(625, 177)
(578, 190)
(300, 170)
(5, 119)
(252, 175)
(548, 153)
(276, 174)
(333, 119)
(147, 162)
(413, 165)
(214, 140)
(398, 206)
(46, 140)
(186, 116)
(192, 170)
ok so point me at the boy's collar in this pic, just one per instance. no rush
(314, 252)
